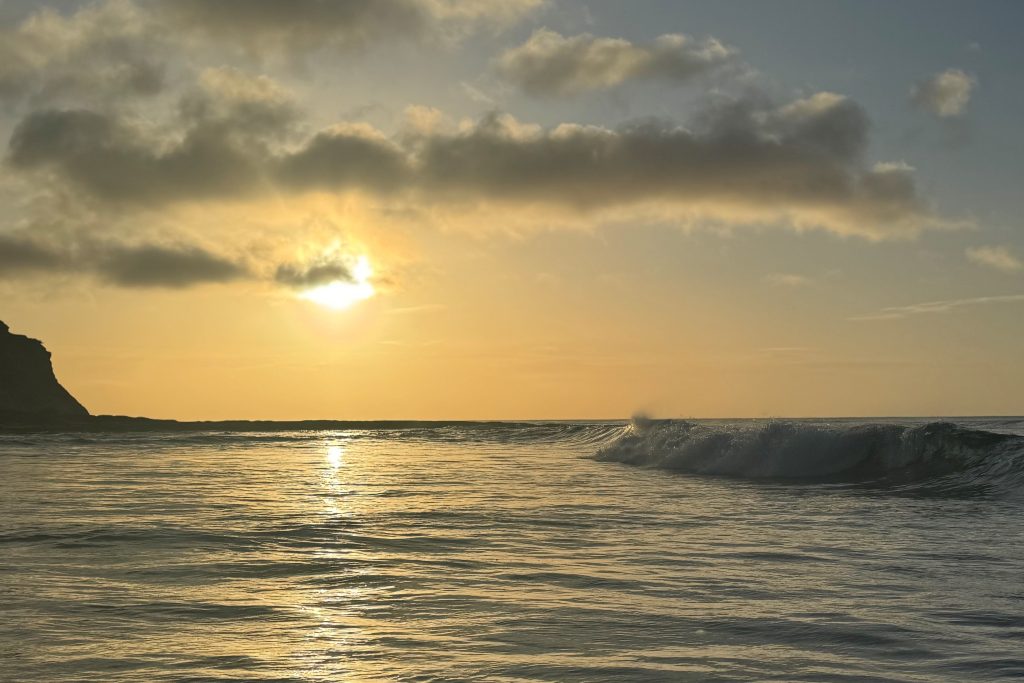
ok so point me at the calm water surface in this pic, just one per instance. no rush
(512, 553)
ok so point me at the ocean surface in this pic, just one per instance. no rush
(645, 551)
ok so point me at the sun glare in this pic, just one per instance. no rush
(342, 294)
(334, 456)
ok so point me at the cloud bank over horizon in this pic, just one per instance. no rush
(800, 163)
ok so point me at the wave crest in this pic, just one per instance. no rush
(827, 452)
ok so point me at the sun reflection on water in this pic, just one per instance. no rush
(335, 456)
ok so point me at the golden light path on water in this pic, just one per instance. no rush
(342, 294)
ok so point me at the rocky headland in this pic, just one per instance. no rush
(29, 390)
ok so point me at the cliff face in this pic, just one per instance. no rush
(28, 386)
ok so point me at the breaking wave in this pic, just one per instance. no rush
(940, 452)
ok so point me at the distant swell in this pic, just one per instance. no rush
(823, 452)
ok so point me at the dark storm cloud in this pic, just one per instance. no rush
(301, 277)
(552, 64)
(141, 265)
(744, 160)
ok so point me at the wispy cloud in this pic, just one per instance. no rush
(787, 280)
(999, 258)
(412, 310)
(894, 312)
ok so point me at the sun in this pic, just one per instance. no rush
(342, 294)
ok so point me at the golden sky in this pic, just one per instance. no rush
(428, 209)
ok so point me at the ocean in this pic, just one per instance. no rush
(842, 550)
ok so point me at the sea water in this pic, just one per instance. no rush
(647, 551)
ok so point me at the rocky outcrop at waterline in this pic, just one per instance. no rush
(29, 390)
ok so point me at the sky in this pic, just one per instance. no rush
(516, 209)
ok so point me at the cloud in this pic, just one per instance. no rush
(239, 103)
(549, 63)
(895, 312)
(166, 264)
(999, 258)
(302, 277)
(111, 160)
(787, 280)
(108, 51)
(124, 265)
(346, 157)
(162, 266)
(21, 255)
(101, 51)
(296, 27)
(746, 162)
(478, 96)
(227, 127)
(945, 94)
(743, 161)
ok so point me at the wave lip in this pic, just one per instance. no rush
(782, 449)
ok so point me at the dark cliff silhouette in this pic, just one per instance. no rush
(28, 388)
